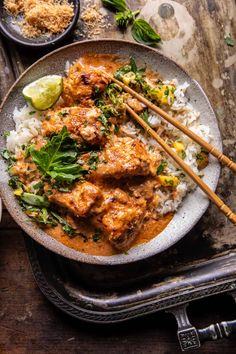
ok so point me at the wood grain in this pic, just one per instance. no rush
(28, 323)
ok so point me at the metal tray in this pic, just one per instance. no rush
(110, 294)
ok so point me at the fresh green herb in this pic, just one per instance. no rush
(64, 189)
(183, 155)
(32, 112)
(8, 156)
(103, 119)
(27, 150)
(63, 113)
(166, 92)
(15, 183)
(44, 217)
(6, 133)
(66, 226)
(97, 235)
(122, 71)
(116, 129)
(132, 68)
(145, 115)
(38, 185)
(96, 91)
(199, 157)
(229, 40)
(41, 216)
(107, 109)
(115, 5)
(93, 160)
(113, 91)
(58, 158)
(123, 19)
(35, 200)
(142, 32)
(161, 167)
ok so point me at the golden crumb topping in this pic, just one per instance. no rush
(41, 16)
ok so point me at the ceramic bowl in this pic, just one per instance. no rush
(193, 206)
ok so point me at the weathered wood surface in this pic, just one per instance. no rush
(193, 37)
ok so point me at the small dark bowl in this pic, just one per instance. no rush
(11, 30)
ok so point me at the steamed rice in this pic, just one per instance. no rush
(28, 127)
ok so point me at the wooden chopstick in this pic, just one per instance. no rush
(210, 148)
(212, 196)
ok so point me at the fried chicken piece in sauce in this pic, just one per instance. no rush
(124, 157)
(81, 122)
(80, 200)
(81, 84)
(120, 217)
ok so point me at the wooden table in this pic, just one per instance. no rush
(194, 37)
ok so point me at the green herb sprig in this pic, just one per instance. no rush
(141, 31)
(58, 158)
(65, 225)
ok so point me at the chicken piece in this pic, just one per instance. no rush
(81, 86)
(145, 188)
(81, 122)
(136, 105)
(120, 217)
(80, 200)
(125, 157)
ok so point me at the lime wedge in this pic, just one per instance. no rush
(44, 92)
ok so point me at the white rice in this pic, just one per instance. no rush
(28, 126)
(184, 112)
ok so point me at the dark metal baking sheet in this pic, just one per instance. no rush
(108, 294)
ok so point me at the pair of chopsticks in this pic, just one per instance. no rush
(210, 148)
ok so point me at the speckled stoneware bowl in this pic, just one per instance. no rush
(193, 206)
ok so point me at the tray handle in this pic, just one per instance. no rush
(190, 337)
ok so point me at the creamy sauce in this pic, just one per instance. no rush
(86, 241)
(150, 229)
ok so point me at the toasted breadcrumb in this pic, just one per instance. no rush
(94, 18)
(41, 16)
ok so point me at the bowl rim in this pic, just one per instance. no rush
(47, 43)
(68, 252)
